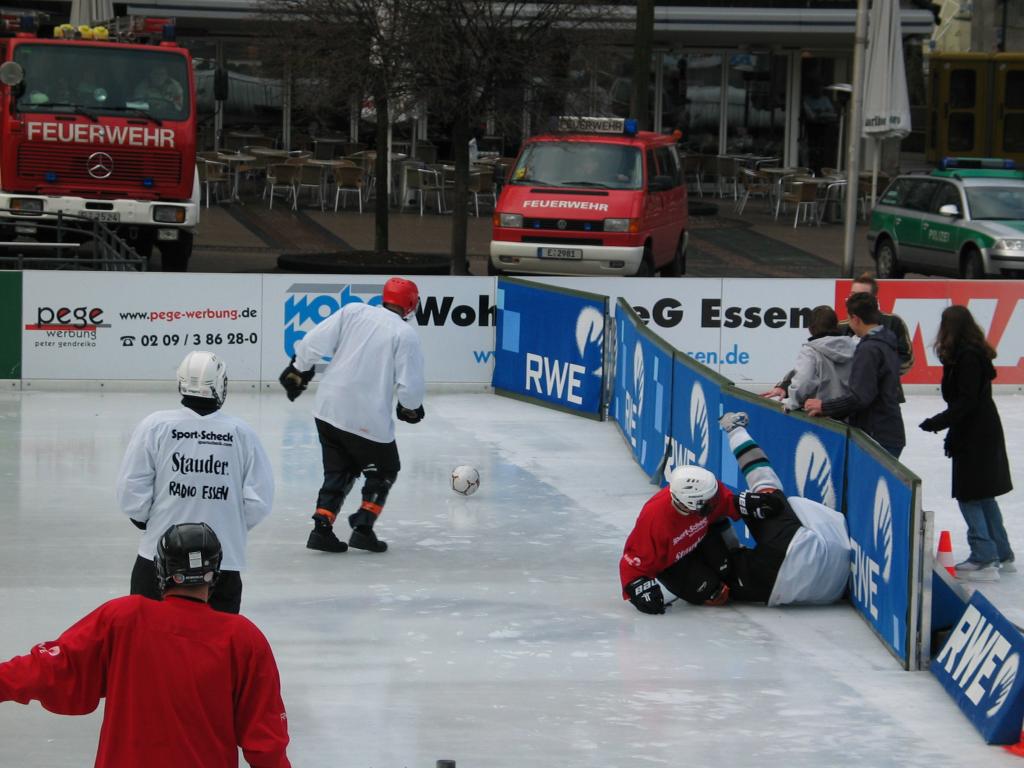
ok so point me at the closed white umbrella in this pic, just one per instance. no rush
(886, 103)
(91, 12)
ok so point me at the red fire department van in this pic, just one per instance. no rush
(597, 197)
(100, 129)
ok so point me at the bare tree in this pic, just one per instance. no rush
(466, 59)
(473, 52)
(342, 49)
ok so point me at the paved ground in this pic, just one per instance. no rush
(249, 238)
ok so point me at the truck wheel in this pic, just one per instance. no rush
(644, 269)
(676, 267)
(174, 254)
(492, 270)
(886, 260)
(972, 268)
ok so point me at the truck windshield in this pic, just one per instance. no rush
(1004, 203)
(94, 80)
(579, 164)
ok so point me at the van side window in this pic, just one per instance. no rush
(919, 196)
(668, 164)
(652, 166)
(947, 195)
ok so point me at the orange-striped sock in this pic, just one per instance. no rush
(326, 513)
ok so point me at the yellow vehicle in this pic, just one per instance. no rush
(975, 106)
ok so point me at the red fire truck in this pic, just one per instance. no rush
(102, 129)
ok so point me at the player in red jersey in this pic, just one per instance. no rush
(184, 684)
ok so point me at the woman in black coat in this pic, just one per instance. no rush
(975, 441)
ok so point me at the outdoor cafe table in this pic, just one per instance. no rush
(326, 166)
(235, 160)
(777, 175)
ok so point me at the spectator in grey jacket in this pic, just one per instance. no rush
(873, 402)
(824, 363)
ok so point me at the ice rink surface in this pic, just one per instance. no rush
(492, 632)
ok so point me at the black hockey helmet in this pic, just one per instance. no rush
(188, 554)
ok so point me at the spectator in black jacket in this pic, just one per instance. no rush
(873, 401)
(975, 442)
(866, 283)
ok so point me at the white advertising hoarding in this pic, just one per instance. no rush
(455, 319)
(748, 330)
(763, 323)
(137, 326)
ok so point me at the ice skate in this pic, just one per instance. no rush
(969, 570)
(363, 537)
(733, 419)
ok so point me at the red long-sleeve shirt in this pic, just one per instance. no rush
(662, 536)
(184, 685)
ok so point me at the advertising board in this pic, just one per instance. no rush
(137, 326)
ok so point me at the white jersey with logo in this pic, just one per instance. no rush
(374, 353)
(817, 565)
(181, 467)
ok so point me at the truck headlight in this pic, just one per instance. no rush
(30, 205)
(510, 219)
(620, 225)
(1009, 245)
(169, 214)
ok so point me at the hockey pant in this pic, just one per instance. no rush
(347, 456)
(226, 595)
(697, 576)
(753, 571)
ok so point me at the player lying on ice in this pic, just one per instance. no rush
(683, 539)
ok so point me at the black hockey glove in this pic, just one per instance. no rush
(295, 381)
(410, 415)
(646, 595)
(760, 505)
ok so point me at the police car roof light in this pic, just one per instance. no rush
(630, 126)
(28, 23)
(988, 163)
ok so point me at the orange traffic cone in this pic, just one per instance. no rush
(945, 554)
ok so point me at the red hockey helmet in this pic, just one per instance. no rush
(402, 293)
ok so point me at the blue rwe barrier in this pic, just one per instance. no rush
(549, 346)
(695, 437)
(883, 515)
(980, 667)
(642, 391)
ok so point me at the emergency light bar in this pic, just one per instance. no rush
(989, 163)
(580, 124)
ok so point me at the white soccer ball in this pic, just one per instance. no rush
(465, 480)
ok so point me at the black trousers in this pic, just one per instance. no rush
(226, 595)
(697, 576)
(754, 571)
(347, 456)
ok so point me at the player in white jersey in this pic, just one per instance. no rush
(803, 548)
(374, 354)
(196, 464)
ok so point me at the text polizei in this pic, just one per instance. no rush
(101, 133)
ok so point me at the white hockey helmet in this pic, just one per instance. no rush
(691, 489)
(203, 374)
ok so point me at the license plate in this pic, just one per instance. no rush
(560, 253)
(106, 216)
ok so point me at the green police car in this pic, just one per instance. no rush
(964, 219)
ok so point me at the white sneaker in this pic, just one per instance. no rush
(1007, 566)
(969, 570)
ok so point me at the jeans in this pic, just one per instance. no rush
(985, 532)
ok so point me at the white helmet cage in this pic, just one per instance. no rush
(203, 374)
(691, 489)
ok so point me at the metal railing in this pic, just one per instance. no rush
(66, 241)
